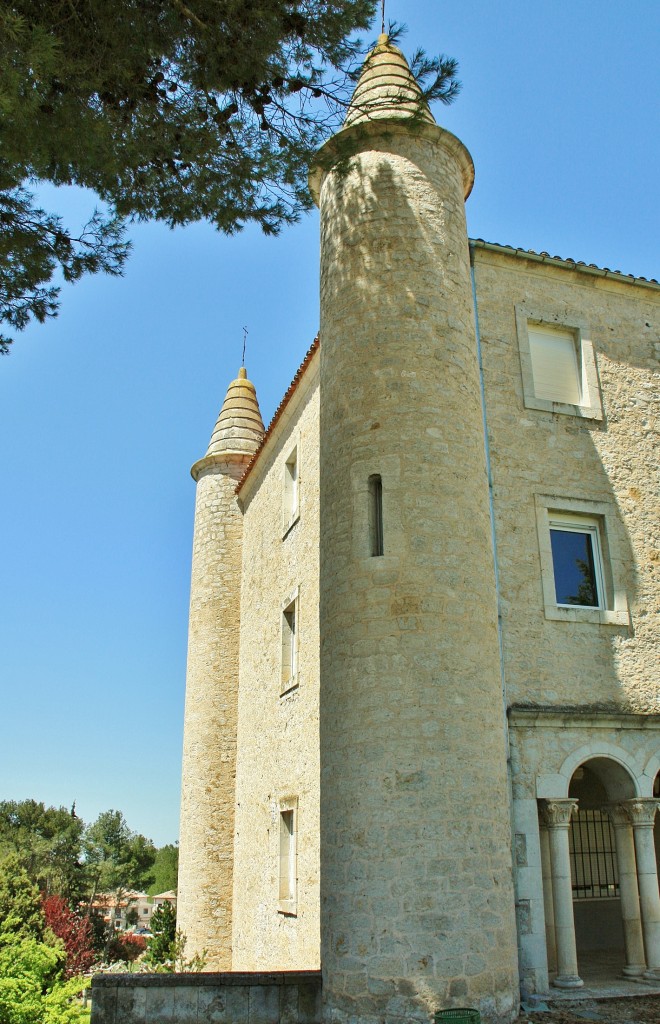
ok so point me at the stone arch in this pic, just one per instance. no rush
(651, 770)
(556, 785)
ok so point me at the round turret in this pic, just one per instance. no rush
(416, 881)
(206, 855)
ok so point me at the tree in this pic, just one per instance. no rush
(167, 947)
(20, 902)
(181, 111)
(32, 990)
(162, 946)
(75, 932)
(48, 843)
(116, 858)
(165, 869)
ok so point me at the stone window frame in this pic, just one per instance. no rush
(291, 487)
(591, 407)
(615, 600)
(289, 905)
(290, 657)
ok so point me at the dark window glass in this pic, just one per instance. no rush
(376, 542)
(573, 563)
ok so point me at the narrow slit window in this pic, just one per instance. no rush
(289, 645)
(287, 879)
(376, 543)
(291, 474)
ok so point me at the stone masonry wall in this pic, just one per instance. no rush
(278, 756)
(283, 998)
(613, 463)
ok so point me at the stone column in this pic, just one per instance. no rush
(630, 912)
(546, 871)
(557, 818)
(642, 815)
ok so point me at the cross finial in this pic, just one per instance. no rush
(245, 334)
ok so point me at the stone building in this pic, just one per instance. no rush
(422, 733)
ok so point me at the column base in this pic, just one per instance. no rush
(567, 981)
(633, 970)
(652, 975)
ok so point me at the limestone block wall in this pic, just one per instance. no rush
(541, 456)
(187, 998)
(416, 886)
(278, 756)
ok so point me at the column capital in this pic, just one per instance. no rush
(618, 815)
(557, 813)
(641, 811)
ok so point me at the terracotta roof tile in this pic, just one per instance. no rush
(293, 386)
(562, 260)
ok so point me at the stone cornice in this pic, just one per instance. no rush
(576, 717)
(349, 141)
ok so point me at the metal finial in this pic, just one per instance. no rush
(382, 18)
(245, 334)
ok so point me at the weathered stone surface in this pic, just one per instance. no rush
(278, 747)
(208, 998)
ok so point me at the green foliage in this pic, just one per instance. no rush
(20, 901)
(47, 840)
(185, 111)
(32, 960)
(31, 991)
(162, 946)
(166, 949)
(165, 869)
(116, 858)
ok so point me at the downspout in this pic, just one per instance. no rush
(491, 510)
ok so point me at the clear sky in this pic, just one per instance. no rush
(103, 410)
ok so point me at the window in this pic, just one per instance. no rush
(593, 857)
(576, 561)
(557, 363)
(376, 546)
(289, 677)
(291, 486)
(582, 561)
(554, 364)
(287, 856)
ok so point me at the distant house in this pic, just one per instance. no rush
(126, 909)
(164, 897)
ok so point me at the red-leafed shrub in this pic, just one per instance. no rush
(126, 946)
(74, 931)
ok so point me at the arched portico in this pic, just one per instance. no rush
(616, 758)
(600, 855)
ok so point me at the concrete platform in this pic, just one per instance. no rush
(601, 973)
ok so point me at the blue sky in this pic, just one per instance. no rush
(103, 410)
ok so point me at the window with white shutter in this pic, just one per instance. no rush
(554, 364)
(557, 363)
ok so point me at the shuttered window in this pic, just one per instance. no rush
(554, 364)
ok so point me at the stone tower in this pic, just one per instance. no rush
(416, 878)
(209, 748)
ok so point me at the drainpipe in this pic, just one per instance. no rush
(491, 510)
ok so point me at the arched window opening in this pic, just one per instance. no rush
(376, 541)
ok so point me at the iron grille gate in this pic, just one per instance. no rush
(594, 872)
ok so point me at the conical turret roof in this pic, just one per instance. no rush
(239, 428)
(387, 89)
